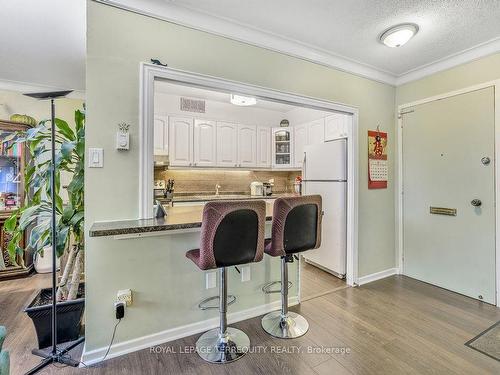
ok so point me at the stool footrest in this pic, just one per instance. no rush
(204, 304)
(267, 288)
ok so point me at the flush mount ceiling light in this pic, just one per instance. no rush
(398, 35)
(243, 100)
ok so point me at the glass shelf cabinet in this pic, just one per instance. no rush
(12, 164)
(282, 142)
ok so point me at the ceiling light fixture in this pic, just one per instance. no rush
(243, 100)
(398, 35)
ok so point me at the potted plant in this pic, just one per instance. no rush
(34, 217)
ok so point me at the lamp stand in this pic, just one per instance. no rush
(55, 355)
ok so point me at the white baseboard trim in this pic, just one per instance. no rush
(125, 347)
(377, 276)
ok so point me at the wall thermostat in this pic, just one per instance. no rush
(123, 137)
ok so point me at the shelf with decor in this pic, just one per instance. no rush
(12, 169)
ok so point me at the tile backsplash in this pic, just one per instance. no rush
(204, 181)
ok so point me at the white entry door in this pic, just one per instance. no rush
(449, 193)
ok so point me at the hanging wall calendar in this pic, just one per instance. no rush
(377, 159)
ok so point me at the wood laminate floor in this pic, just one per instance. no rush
(314, 282)
(392, 326)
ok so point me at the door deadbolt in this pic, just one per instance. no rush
(476, 202)
(486, 160)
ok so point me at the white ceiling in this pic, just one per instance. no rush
(351, 28)
(42, 43)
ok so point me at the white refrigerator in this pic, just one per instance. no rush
(325, 173)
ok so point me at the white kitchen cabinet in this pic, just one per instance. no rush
(247, 146)
(180, 141)
(227, 144)
(160, 135)
(205, 143)
(316, 131)
(282, 147)
(337, 126)
(300, 141)
(263, 147)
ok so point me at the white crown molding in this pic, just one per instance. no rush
(25, 87)
(246, 34)
(482, 50)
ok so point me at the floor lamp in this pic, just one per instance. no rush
(55, 355)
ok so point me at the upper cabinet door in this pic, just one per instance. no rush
(205, 144)
(316, 132)
(282, 144)
(263, 147)
(227, 144)
(247, 146)
(160, 135)
(180, 141)
(301, 140)
(337, 126)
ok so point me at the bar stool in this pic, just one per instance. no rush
(296, 227)
(232, 233)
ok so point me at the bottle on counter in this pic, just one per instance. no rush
(297, 185)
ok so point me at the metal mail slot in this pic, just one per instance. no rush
(443, 211)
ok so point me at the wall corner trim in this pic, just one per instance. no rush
(377, 276)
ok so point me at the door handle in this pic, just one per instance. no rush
(476, 202)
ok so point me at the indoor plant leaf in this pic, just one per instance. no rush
(64, 129)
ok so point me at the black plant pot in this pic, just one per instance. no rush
(69, 317)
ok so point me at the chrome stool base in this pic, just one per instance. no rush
(289, 327)
(214, 348)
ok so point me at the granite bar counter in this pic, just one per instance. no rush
(178, 218)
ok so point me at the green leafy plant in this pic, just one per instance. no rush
(35, 215)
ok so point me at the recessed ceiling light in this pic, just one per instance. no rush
(398, 35)
(243, 100)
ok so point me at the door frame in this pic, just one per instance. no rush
(399, 189)
(149, 73)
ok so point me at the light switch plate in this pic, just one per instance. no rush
(96, 157)
(210, 280)
(245, 274)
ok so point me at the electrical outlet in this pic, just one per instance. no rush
(245, 274)
(210, 280)
(124, 295)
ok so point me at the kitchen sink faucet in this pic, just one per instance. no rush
(217, 187)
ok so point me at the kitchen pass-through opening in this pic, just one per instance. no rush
(215, 139)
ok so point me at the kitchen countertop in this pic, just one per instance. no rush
(178, 218)
(213, 197)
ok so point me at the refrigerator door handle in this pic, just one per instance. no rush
(304, 167)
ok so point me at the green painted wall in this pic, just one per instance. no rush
(117, 42)
(470, 74)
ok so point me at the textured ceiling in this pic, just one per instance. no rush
(43, 42)
(350, 28)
